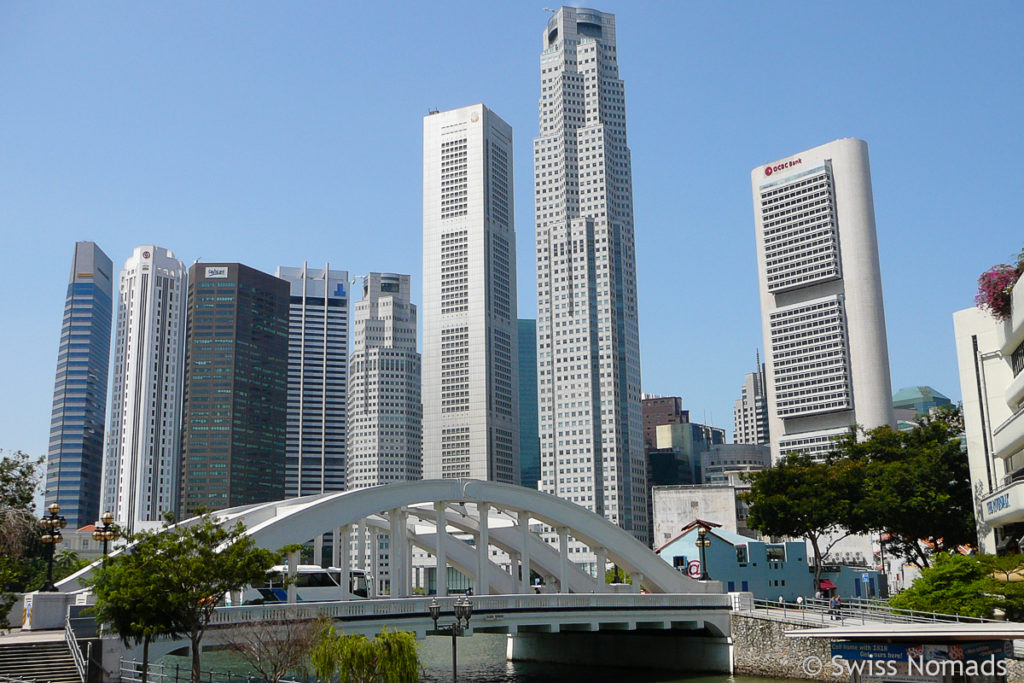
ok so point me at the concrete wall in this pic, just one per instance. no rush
(761, 648)
(663, 650)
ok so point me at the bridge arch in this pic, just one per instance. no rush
(276, 524)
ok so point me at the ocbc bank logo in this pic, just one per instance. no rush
(768, 170)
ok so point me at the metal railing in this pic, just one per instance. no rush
(76, 652)
(856, 611)
(504, 604)
(131, 672)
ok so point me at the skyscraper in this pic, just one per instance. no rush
(750, 412)
(317, 380)
(140, 472)
(529, 438)
(74, 463)
(826, 355)
(234, 412)
(384, 408)
(470, 418)
(588, 348)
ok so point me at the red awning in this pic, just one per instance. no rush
(826, 585)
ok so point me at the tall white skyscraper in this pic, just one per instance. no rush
(317, 379)
(588, 348)
(385, 415)
(827, 359)
(470, 337)
(143, 444)
(750, 412)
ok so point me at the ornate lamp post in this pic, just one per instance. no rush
(106, 533)
(703, 542)
(463, 611)
(52, 524)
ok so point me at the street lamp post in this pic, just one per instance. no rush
(106, 533)
(703, 542)
(463, 611)
(52, 524)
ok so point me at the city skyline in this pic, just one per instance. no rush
(120, 178)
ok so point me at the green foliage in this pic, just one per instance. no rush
(623, 577)
(913, 485)
(391, 657)
(19, 476)
(172, 580)
(968, 585)
(917, 486)
(807, 499)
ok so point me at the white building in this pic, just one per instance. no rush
(588, 349)
(317, 379)
(384, 409)
(143, 439)
(827, 362)
(990, 354)
(750, 412)
(470, 336)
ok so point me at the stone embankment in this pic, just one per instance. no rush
(761, 648)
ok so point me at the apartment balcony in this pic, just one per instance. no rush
(1008, 438)
(1004, 506)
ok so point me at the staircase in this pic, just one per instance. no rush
(40, 662)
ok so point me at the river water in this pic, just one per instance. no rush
(482, 660)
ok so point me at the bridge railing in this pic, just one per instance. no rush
(856, 611)
(482, 604)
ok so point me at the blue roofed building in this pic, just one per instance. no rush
(767, 570)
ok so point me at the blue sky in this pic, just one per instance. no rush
(273, 133)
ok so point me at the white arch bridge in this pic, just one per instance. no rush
(465, 523)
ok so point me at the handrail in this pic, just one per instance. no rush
(859, 609)
(76, 652)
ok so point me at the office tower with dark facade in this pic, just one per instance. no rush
(234, 413)
(385, 438)
(529, 438)
(74, 463)
(588, 342)
(143, 445)
(317, 379)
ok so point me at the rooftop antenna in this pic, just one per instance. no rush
(548, 9)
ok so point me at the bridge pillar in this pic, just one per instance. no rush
(601, 560)
(318, 550)
(441, 552)
(293, 570)
(563, 560)
(638, 579)
(375, 560)
(342, 549)
(524, 561)
(483, 586)
(361, 560)
(398, 546)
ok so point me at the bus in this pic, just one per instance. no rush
(312, 584)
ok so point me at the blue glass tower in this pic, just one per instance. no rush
(529, 438)
(74, 465)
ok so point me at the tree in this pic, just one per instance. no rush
(917, 485)
(391, 657)
(804, 498)
(189, 568)
(274, 647)
(19, 476)
(953, 585)
(129, 597)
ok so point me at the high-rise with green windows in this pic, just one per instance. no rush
(234, 412)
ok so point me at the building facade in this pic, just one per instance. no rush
(657, 411)
(588, 349)
(384, 408)
(317, 379)
(990, 354)
(470, 414)
(235, 405)
(750, 413)
(827, 360)
(143, 444)
(529, 438)
(74, 461)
